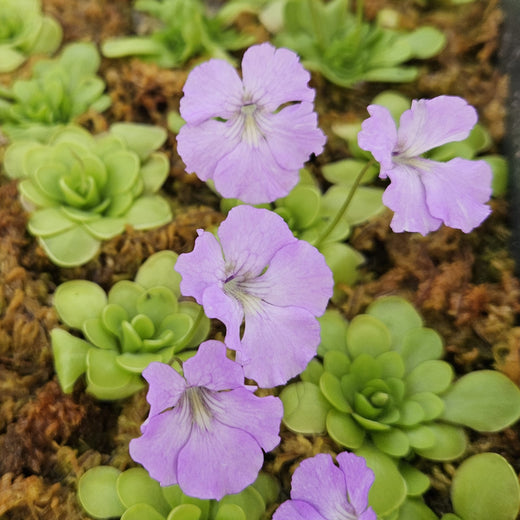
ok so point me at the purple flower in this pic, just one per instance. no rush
(425, 193)
(250, 135)
(322, 491)
(261, 274)
(206, 430)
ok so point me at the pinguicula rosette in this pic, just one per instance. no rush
(136, 323)
(425, 193)
(105, 492)
(183, 29)
(258, 273)
(206, 429)
(81, 189)
(250, 135)
(381, 390)
(24, 31)
(58, 92)
(323, 491)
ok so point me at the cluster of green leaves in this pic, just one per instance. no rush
(106, 492)
(308, 213)
(58, 91)
(473, 147)
(381, 390)
(82, 189)
(185, 30)
(24, 31)
(136, 323)
(346, 49)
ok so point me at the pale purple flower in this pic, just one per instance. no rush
(257, 272)
(250, 135)
(423, 193)
(322, 491)
(206, 430)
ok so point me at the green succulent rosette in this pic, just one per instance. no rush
(381, 389)
(106, 492)
(184, 29)
(24, 31)
(82, 189)
(136, 323)
(58, 92)
(347, 50)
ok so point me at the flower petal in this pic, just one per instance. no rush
(407, 198)
(274, 76)
(297, 510)
(212, 369)
(213, 89)
(217, 304)
(202, 146)
(359, 478)
(250, 237)
(293, 135)
(378, 135)
(278, 343)
(297, 275)
(258, 416)
(165, 387)
(217, 462)
(457, 190)
(201, 268)
(250, 173)
(433, 122)
(321, 483)
(158, 448)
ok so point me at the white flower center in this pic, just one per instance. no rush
(198, 401)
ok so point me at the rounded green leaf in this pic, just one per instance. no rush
(77, 301)
(123, 171)
(106, 379)
(345, 171)
(113, 316)
(393, 442)
(388, 491)
(312, 372)
(142, 139)
(336, 363)
(421, 437)
(485, 400)
(343, 261)
(485, 486)
(136, 363)
(416, 509)
(157, 303)
(431, 404)
(398, 315)
(70, 357)
(230, 512)
(135, 486)
(105, 228)
(71, 248)
(185, 512)
(431, 376)
(125, 294)
(142, 512)
(50, 221)
(305, 408)
(201, 322)
(249, 501)
(420, 345)
(94, 330)
(330, 386)
(426, 42)
(417, 483)
(333, 331)
(303, 203)
(344, 430)
(367, 335)
(97, 492)
(500, 174)
(450, 443)
(149, 212)
(396, 102)
(159, 271)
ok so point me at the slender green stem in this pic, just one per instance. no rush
(334, 222)
(359, 12)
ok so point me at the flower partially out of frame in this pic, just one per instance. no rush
(323, 491)
(206, 430)
(257, 272)
(250, 135)
(424, 193)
